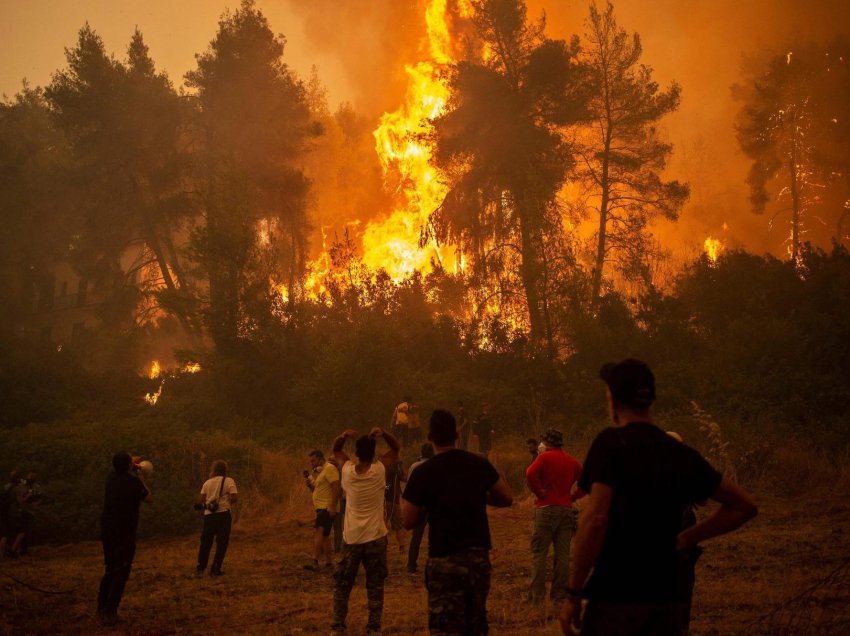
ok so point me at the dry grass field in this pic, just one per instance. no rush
(772, 577)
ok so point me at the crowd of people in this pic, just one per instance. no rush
(623, 566)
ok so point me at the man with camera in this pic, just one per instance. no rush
(364, 531)
(125, 491)
(323, 480)
(217, 496)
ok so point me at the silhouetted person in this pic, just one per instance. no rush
(533, 448)
(125, 491)
(452, 489)
(426, 453)
(463, 426)
(217, 496)
(483, 429)
(639, 481)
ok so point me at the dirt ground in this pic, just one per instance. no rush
(785, 573)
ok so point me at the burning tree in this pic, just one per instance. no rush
(776, 130)
(252, 122)
(621, 155)
(123, 123)
(500, 146)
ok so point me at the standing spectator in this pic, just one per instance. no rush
(396, 477)
(10, 517)
(687, 558)
(414, 425)
(364, 531)
(639, 481)
(452, 491)
(462, 426)
(551, 478)
(325, 484)
(400, 423)
(340, 516)
(426, 453)
(533, 447)
(218, 494)
(125, 491)
(483, 429)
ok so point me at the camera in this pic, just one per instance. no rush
(212, 506)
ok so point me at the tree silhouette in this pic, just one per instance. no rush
(251, 124)
(500, 147)
(621, 154)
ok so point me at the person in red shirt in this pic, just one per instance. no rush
(551, 478)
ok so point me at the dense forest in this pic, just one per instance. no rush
(192, 222)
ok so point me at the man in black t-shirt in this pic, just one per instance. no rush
(125, 491)
(640, 480)
(453, 489)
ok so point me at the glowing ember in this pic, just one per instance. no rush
(712, 247)
(191, 367)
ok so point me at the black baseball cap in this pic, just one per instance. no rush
(631, 382)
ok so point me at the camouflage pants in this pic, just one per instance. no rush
(373, 556)
(458, 586)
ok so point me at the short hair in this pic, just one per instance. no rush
(364, 448)
(631, 382)
(443, 428)
(317, 454)
(218, 468)
(121, 461)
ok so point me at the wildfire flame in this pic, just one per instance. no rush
(713, 247)
(394, 243)
(155, 371)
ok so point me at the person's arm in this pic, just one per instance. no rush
(736, 508)
(411, 514)
(592, 525)
(149, 497)
(339, 453)
(336, 493)
(499, 495)
(533, 475)
(391, 456)
(234, 496)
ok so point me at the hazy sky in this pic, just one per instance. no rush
(360, 47)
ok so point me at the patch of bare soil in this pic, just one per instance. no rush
(787, 572)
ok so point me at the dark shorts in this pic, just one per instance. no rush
(324, 521)
(632, 619)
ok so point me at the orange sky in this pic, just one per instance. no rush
(360, 47)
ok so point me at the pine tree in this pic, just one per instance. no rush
(621, 154)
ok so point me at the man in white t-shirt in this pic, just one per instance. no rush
(217, 496)
(364, 531)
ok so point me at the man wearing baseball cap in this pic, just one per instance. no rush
(640, 479)
(551, 478)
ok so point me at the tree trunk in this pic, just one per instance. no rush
(795, 204)
(602, 239)
(530, 276)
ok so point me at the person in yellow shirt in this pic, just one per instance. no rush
(323, 480)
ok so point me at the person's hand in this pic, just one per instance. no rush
(376, 432)
(570, 616)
